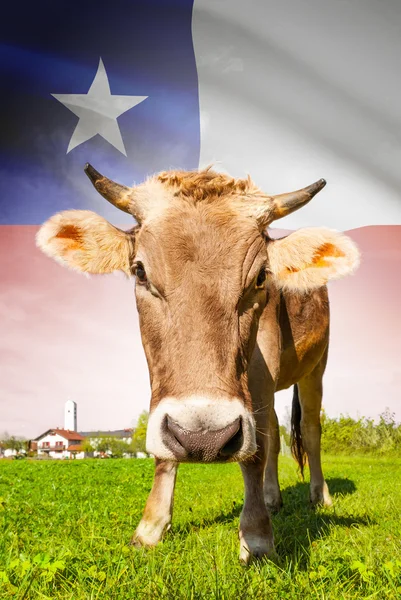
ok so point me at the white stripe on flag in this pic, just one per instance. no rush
(294, 91)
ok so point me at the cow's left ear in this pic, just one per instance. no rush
(307, 259)
(84, 241)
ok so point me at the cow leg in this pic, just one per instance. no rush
(159, 506)
(271, 488)
(255, 530)
(310, 396)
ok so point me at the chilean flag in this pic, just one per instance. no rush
(288, 92)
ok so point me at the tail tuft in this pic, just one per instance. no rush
(297, 447)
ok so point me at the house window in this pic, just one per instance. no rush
(46, 444)
(59, 443)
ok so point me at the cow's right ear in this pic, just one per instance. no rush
(85, 242)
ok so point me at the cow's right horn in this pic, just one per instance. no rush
(120, 196)
(284, 204)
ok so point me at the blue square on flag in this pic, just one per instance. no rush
(112, 84)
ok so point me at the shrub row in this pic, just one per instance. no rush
(362, 435)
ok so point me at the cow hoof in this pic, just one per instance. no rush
(320, 496)
(148, 535)
(254, 547)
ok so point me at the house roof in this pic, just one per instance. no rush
(67, 434)
(74, 448)
(117, 433)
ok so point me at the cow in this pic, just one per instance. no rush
(227, 316)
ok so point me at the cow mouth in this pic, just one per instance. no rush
(203, 445)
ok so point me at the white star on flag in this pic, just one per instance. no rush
(98, 111)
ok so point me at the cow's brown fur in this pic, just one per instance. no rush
(206, 185)
(207, 329)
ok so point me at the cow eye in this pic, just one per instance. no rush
(141, 273)
(261, 277)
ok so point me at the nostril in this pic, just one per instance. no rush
(234, 443)
(171, 437)
(176, 431)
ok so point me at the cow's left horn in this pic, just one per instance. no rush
(284, 204)
(119, 195)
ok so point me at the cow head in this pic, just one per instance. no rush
(205, 270)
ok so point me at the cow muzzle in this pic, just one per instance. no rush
(199, 429)
(203, 445)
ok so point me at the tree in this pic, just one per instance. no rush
(103, 444)
(14, 443)
(138, 443)
(111, 445)
(118, 447)
(286, 421)
(87, 446)
(285, 435)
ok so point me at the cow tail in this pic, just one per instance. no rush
(297, 447)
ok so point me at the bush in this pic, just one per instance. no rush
(363, 435)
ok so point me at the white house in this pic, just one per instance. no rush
(64, 443)
(60, 443)
(8, 452)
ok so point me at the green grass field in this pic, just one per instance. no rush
(65, 528)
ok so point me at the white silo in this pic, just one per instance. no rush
(70, 415)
